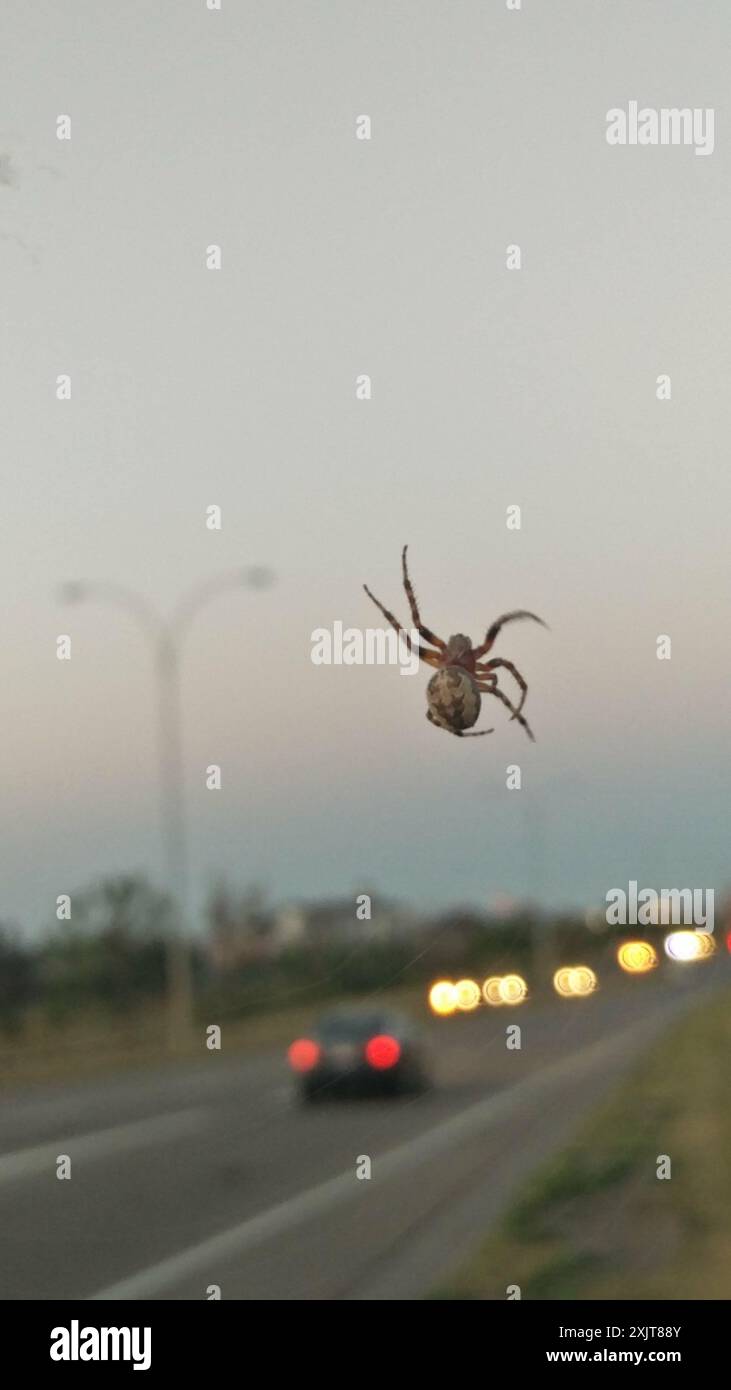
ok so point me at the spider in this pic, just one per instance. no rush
(453, 693)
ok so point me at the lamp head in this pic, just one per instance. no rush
(258, 577)
(73, 592)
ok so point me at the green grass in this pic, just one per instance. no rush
(597, 1222)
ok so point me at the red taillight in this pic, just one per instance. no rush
(303, 1054)
(382, 1052)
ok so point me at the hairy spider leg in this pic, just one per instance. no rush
(487, 666)
(431, 658)
(492, 689)
(493, 631)
(413, 605)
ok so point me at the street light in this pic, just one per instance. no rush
(165, 636)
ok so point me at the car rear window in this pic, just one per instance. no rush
(342, 1028)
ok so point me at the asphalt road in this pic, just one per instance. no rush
(211, 1175)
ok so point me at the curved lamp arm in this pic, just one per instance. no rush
(255, 577)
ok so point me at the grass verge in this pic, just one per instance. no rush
(597, 1222)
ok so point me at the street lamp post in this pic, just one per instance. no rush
(165, 636)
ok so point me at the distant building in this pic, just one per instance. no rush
(241, 930)
(289, 927)
(331, 921)
(245, 930)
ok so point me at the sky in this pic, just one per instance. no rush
(490, 388)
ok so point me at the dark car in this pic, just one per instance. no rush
(359, 1052)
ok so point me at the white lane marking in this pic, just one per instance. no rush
(99, 1143)
(301, 1208)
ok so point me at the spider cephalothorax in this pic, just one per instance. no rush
(462, 677)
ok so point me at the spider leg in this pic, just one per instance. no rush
(492, 689)
(413, 605)
(430, 658)
(458, 733)
(486, 666)
(493, 631)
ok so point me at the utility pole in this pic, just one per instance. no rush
(542, 934)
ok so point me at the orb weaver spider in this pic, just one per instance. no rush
(462, 677)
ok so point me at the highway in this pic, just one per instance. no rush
(211, 1174)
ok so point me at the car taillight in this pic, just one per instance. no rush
(382, 1052)
(304, 1054)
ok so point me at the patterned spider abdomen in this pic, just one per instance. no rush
(453, 698)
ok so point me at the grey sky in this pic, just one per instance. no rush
(535, 387)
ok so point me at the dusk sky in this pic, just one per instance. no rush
(490, 387)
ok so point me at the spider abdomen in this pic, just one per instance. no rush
(453, 698)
